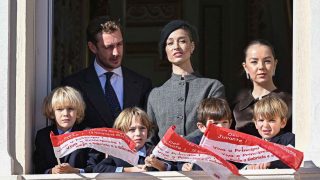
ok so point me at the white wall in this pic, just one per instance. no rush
(5, 159)
(306, 77)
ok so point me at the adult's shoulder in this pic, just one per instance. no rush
(282, 94)
(159, 91)
(208, 80)
(285, 96)
(78, 76)
(155, 93)
(214, 86)
(243, 94)
(242, 101)
(209, 83)
(130, 73)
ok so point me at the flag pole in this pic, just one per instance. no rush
(59, 162)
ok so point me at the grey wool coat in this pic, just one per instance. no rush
(176, 102)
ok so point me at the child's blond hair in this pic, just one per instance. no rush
(63, 97)
(215, 109)
(270, 107)
(124, 120)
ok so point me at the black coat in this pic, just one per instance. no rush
(283, 138)
(98, 113)
(44, 158)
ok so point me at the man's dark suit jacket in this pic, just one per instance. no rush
(44, 158)
(98, 113)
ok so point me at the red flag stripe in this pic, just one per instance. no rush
(292, 157)
(100, 132)
(105, 140)
(174, 141)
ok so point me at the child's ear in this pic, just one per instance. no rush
(283, 122)
(230, 123)
(255, 123)
(201, 127)
(92, 47)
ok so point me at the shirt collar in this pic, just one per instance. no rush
(189, 77)
(63, 132)
(100, 71)
(248, 99)
(143, 151)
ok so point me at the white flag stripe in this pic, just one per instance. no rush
(244, 148)
(238, 153)
(207, 162)
(112, 146)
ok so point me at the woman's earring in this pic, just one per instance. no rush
(247, 74)
(274, 72)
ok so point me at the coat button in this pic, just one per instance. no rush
(181, 99)
(179, 117)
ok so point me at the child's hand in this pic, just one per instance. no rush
(64, 168)
(259, 166)
(153, 161)
(56, 169)
(187, 167)
(138, 168)
(149, 161)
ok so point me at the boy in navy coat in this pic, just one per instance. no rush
(65, 107)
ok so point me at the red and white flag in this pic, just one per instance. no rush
(243, 148)
(106, 140)
(173, 147)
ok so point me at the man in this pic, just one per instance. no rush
(106, 86)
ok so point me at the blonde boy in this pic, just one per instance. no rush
(137, 125)
(270, 117)
(65, 107)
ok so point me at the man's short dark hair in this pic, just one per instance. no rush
(101, 24)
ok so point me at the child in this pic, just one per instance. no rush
(210, 110)
(136, 124)
(64, 106)
(269, 116)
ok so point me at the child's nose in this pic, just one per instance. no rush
(65, 112)
(265, 123)
(137, 132)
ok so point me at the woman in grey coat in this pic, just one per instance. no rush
(176, 101)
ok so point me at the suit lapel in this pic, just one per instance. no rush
(95, 95)
(131, 89)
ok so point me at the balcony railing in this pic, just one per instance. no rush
(284, 174)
